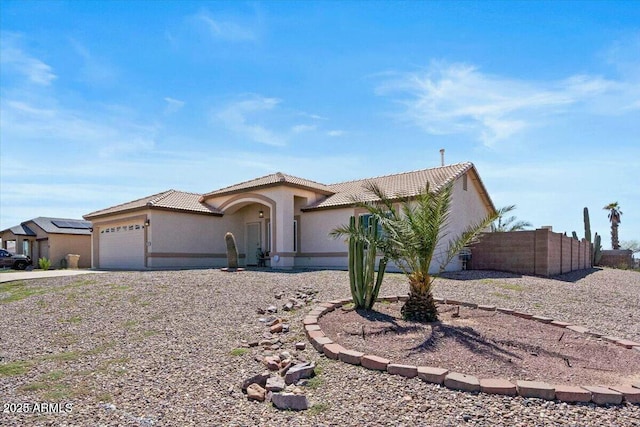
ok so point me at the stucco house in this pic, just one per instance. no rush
(286, 216)
(52, 238)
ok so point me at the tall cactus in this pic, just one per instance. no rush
(587, 225)
(575, 235)
(597, 249)
(363, 245)
(232, 251)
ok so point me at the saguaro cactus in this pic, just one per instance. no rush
(597, 249)
(587, 225)
(232, 251)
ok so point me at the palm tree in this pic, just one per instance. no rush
(509, 224)
(614, 216)
(412, 235)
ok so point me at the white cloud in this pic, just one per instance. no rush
(459, 98)
(223, 29)
(237, 117)
(335, 133)
(94, 70)
(13, 57)
(107, 134)
(303, 128)
(173, 105)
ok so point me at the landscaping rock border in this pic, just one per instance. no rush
(600, 395)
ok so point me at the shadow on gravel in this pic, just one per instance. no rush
(573, 276)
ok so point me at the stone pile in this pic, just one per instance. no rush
(286, 371)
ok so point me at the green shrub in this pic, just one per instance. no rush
(44, 263)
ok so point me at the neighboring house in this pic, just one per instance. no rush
(288, 217)
(52, 238)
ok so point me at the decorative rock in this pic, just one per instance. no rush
(301, 370)
(275, 383)
(272, 363)
(631, 394)
(255, 392)
(407, 371)
(260, 379)
(497, 386)
(301, 345)
(288, 306)
(285, 328)
(536, 389)
(604, 396)
(374, 362)
(290, 401)
(260, 310)
(431, 374)
(572, 394)
(278, 327)
(272, 309)
(458, 381)
(275, 321)
(350, 356)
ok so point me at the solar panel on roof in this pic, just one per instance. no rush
(78, 225)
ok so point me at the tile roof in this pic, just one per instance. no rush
(399, 185)
(170, 199)
(273, 179)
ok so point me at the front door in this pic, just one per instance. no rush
(253, 242)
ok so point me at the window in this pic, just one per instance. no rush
(295, 235)
(364, 223)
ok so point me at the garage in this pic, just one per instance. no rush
(121, 246)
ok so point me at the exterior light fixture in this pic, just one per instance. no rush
(260, 214)
(147, 223)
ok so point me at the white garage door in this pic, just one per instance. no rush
(122, 246)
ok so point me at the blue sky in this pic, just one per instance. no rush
(103, 102)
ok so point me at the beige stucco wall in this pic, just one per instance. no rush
(60, 245)
(318, 249)
(467, 207)
(280, 204)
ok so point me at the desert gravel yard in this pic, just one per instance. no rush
(166, 348)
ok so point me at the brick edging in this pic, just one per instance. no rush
(459, 381)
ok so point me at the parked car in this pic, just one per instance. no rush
(19, 262)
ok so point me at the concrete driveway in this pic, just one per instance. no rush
(39, 274)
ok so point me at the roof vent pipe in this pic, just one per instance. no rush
(442, 157)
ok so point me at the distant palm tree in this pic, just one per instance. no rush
(508, 224)
(614, 216)
(411, 236)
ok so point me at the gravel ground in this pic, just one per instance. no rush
(157, 349)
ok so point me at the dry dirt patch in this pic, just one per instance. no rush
(486, 344)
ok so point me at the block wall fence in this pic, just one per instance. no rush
(539, 252)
